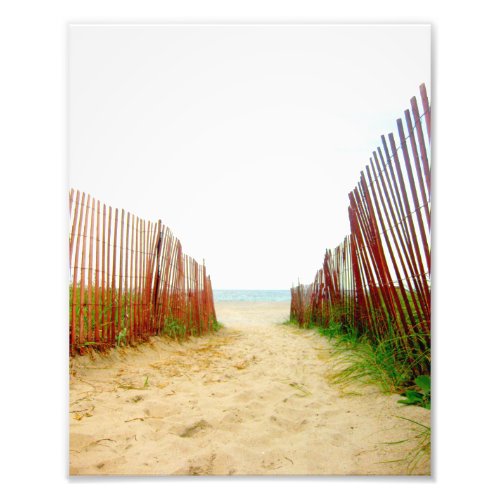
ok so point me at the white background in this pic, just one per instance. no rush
(245, 140)
(34, 247)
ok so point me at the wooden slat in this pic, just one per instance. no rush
(421, 145)
(97, 293)
(82, 334)
(136, 278)
(120, 323)
(127, 287)
(78, 215)
(73, 226)
(90, 298)
(114, 321)
(109, 303)
(427, 109)
(141, 278)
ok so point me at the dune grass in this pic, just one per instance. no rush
(385, 362)
(96, 310)
(421, 449)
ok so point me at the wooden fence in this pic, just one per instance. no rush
(129, 279)
(378, 279)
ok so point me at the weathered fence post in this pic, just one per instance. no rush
(157, 277)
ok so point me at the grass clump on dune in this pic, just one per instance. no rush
(383, 362)
(420, 452)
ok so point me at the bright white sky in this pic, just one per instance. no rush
(244, 140)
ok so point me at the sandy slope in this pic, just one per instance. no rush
(251, 399)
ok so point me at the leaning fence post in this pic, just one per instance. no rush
(157, 277)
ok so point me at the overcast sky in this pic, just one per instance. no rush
(244, 140)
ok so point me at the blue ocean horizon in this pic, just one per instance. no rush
(252, 295)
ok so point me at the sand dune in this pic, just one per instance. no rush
(253, 398)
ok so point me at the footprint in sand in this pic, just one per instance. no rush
(110, 464)
(289, 425)
(136, 399)
(194, 429)
(233, 417)
(338, 440)
(198, 466)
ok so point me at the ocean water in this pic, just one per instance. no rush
(252, 295)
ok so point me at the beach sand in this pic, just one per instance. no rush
(253, 398)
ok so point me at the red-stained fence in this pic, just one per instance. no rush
(129, 279)
(378, 279)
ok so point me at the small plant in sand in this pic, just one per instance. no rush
(419, 398)
(295, 322)
(121, 338)
(214, 325)
(172, 327)
(420, 452)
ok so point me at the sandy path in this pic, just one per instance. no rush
(251, 399)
